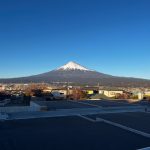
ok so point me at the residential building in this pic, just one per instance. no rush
(110, 93)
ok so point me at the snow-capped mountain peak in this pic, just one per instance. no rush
(73, 66)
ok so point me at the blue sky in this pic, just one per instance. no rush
(110, 36)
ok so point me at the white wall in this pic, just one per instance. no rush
(112, 93)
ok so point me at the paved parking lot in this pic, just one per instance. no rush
(53, 105)
(66, 133)
(139, 121)
(109, 103)
(119, 131)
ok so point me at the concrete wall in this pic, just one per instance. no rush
(15, 109)
(33, 107)
(4, 102)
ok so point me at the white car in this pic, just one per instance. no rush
(58, 95)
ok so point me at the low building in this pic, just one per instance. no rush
(147, 93)
(48, 89)
(111, 93)
(2, 87)
(140, 96)
(90, 90)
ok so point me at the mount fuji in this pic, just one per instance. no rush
(73, 66)
(77, 74)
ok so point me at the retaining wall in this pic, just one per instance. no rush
(33, 107)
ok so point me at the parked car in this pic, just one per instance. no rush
(54, 96)
(58, 95)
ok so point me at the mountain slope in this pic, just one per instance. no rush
(77, 74)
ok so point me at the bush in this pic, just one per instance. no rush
(78, 95)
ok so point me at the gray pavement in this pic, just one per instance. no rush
(66, 133)
(139, 120)
(110, 103)
(65, 126)
(64, 104)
